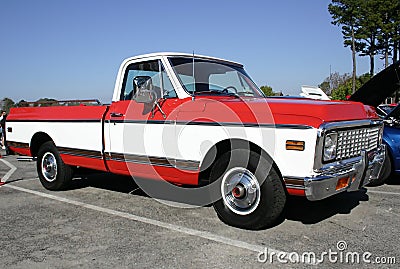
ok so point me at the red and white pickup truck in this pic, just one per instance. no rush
(202, 127)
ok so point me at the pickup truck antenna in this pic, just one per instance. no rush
(194, 80)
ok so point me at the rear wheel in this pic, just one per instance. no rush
(53, 173)
(252, 195)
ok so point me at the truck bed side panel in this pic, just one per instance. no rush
(77, 132)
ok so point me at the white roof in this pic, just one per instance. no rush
(180, 54)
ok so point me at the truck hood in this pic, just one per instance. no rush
(314, 113)
(379, 87)
(286, 111)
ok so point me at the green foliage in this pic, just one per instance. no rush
(333, 81)
(267, 90)
(389, 24)
(324, 86)
(342, 91)
(369, 27)
(7, 104)
(347, 14)
(364, 78)
(345, 89)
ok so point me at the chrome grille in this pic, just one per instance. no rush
(351, 142)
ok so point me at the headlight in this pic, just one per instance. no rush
(330, 146)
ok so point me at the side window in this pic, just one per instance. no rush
(147, 73)
(144, 71)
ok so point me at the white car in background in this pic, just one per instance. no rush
(313, 92)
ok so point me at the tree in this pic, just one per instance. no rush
(21, 103)
(46, 102)
(333, 82)
(267, 90)
(347, 13)
(369, 21)
(325, 86)
(386, 29)
(7, 104)
(364, 78)
(344, 89)
(370, 27)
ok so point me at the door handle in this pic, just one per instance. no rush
(115, 114)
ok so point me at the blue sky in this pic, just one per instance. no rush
(72, 49)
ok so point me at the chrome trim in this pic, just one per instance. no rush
(228, 124)
(294, 181)
(290, 186)
(18, 144)
(350, 142)
(240, 191)
(81, 152)
(153, 160)
(338, 167)
(363, 168)
(49, 167)
(349, 124)
(329, 126)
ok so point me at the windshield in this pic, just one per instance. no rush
(213, 78)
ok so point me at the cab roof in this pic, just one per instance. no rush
(180, 54)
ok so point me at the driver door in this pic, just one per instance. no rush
(140, 126)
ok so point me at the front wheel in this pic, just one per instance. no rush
(252, 193)
(53, 173)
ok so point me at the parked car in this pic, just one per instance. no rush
(373, 93)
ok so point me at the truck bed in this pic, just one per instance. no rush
(78, 131)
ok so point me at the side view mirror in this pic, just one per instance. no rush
(144, 91)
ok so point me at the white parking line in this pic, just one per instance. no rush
(173, 227)
(169, 226)
(384, 192)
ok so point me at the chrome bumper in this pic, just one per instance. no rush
(358, 172)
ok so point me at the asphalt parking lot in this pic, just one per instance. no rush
(105, 221)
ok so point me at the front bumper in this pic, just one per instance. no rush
(353, 174)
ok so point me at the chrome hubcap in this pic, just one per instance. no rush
(49, 166)
(240, 191)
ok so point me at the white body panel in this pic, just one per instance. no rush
(78, 135)
(192, 142)
(141, 139)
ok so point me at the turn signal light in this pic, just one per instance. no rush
(294, 145)
(342, 183)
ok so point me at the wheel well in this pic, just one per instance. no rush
(37, 141)
(226, 146)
